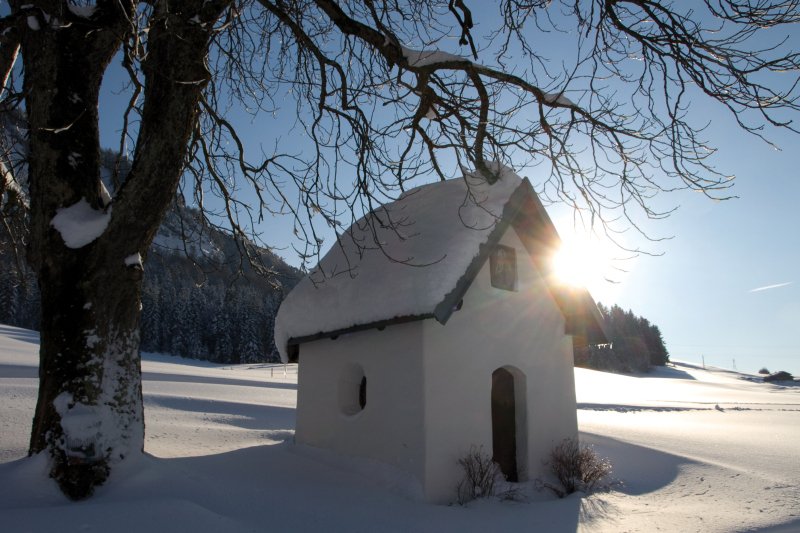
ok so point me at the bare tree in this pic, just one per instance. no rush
(379, 103)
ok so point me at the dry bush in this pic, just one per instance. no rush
(480, 475)
(576, 467)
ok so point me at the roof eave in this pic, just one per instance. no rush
(378, 324)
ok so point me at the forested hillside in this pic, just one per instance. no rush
(200, 298)
(207, 301)
(635, 344)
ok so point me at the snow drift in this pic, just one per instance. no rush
(693, 450)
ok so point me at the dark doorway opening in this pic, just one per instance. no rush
(504, 423)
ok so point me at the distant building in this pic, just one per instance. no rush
(412, 365)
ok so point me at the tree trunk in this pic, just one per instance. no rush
(89, 377)
(89, 410)
(85, 248)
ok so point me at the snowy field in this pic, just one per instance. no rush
(693, 450)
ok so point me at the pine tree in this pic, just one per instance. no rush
(635, 344)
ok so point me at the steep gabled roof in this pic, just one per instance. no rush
(431, 243)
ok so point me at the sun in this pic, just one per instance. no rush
(585, 261)
(572, 265)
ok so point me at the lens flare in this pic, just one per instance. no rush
(585, 261)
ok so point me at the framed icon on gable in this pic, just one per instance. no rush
(503, 267)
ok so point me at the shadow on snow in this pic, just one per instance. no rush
(24, 335)
(189, 378)
(243, 415)
(629, 461)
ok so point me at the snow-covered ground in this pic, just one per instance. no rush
(693, 450)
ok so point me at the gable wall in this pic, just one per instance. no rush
(495, 328)
(389, 428)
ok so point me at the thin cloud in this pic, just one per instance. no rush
(768, 287)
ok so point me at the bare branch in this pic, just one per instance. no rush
(9, 49)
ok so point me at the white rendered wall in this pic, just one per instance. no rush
(390, 427)
(496, 328)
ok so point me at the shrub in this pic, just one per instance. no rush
(480, 475)
(576, 467)
(781, 375)
(763, 370)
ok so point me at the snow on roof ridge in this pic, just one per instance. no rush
(474, 178)
(439, 225)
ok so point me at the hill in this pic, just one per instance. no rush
(693, 450)
(200, 298)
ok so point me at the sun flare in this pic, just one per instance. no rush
(584, 261)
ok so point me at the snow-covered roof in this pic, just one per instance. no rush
(412, 258)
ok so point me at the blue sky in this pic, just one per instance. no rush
(726, 288)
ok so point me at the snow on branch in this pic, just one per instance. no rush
(427, 58)
(9, 50)
(557, 98)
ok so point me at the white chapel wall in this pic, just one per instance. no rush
(389, 428)
(496, 328)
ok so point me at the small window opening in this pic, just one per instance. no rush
(362, 392)
(352, 390)
(503, 268)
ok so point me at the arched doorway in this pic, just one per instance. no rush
(504, 423)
